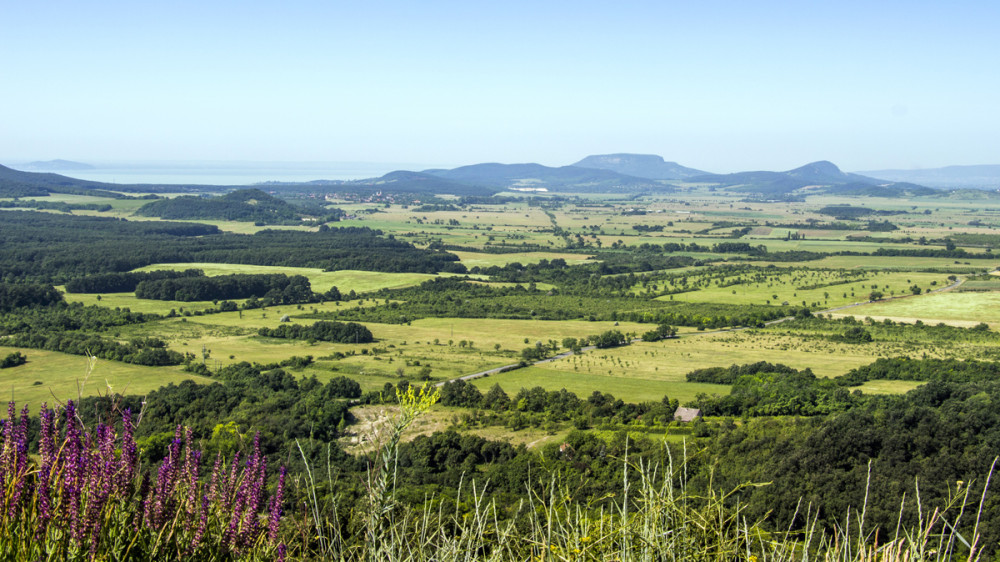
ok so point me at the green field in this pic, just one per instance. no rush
(481, 259)
(345, 280)
(692, 215)
(670, 360)
(231, 338)
(889, 263)
(953, 306)
(832, 287)
(888, 387)
(321, 281)
(627, 388)
(54, 377)
(145, 306)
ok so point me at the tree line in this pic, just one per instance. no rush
(338, 332)
(125, 282)
(278, 287)
(58, 248)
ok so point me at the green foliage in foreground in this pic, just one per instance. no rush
(935, 438)
(823, 460)
(656, 515)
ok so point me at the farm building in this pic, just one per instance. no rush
(686, 414)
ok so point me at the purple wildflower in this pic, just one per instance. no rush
(81, 478)
(44, 502)
(213, 488)
(18, 467)
(279, 494)
(97, 500)
(7, 448)
(72, 445)
(21, 441)
(232, 530)
(143, 513)
(47, 438)
(130, 453)
(229, 484)
(191, 474)
(163, 491)
(71, 495)
(202, 524)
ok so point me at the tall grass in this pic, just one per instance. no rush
(658, 517)
(85, 497)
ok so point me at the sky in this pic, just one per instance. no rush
(716, 85)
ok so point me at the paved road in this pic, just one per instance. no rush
(566, 354)
(496, 370)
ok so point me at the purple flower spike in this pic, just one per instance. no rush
(47, 439)
(7, 449)
(217, 473)
(130, 453)
(202, 524)
(279, 494)
(44, 503)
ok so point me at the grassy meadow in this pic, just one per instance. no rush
(968, 308)
(345, 280)
(54, 377)
(824, 288)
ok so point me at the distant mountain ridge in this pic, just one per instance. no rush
(948, 177)
(593, 174)
(648, 166)
(55, 166)
(15, 183)
(564, 178)
(823, 176)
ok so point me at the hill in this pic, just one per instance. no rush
(537, 176)
(246, 205)
(949, 177)
(15, 183)
(649, 166)
(821, 176)
(55, 166)
(421, 182)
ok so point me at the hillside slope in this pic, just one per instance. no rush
(649, 166)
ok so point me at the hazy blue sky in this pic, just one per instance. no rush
(717, 85)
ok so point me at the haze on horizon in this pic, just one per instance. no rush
(716, 85)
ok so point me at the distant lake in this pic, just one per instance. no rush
(227, 173)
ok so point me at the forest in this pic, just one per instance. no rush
(247, 205)
(59, 248)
